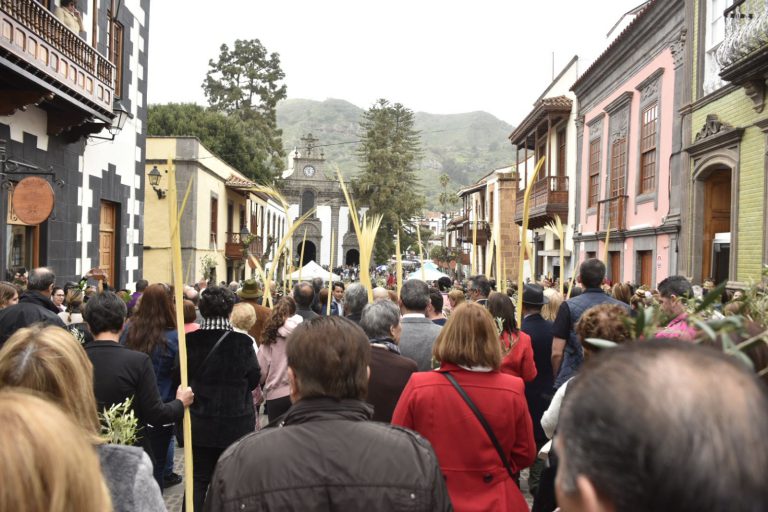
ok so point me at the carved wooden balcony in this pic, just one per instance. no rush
(465, 235)
(743, 54)
(549, 197)
(234, 249)
(612, 214)
(42, 60)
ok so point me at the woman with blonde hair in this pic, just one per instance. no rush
(455, 297)
(50, 361)
(549, 310)
(447, 404)
(46, 461)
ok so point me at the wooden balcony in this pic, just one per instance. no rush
(42, 60)
(234, 249)
(465, 235)
(612, 214)
(743, 54)
(549, 197)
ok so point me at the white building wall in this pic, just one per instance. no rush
(344, 227)
(324, 215)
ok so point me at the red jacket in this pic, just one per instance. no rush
(519, 361)
(476, 477)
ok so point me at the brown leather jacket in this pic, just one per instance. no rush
(326, 455)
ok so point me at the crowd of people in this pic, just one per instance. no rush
(343, 398)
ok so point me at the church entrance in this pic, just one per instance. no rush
(352, 257)
(310, 252)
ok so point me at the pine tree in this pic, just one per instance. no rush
(389, 152)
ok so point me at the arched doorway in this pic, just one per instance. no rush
(310, 252)
(715, 254)
(352, 257)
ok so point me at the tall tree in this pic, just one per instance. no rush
(389, 151)
(245, 82)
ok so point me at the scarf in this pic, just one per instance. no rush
(387, 342)
(218, 323)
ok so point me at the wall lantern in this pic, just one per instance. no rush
(154, 180)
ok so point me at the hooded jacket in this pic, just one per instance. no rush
(326, 454)
(33, 307)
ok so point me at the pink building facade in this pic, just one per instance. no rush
(629, 150)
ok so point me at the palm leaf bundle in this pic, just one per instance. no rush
(365, 229)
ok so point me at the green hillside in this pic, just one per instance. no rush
(465, 146)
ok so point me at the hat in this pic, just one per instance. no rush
(250, 289)
(533, 294)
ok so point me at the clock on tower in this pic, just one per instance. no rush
(309, 171)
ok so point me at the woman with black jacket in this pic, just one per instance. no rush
(223, 371)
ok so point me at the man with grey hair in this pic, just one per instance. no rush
(419, 333)
(666, 426)
(390, 371)
(35, 306)
(355, 299)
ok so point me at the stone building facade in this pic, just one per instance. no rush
(310, 183)
(630, 148)
(73, 111)
(725, 212)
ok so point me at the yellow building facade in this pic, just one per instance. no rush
(222, 223)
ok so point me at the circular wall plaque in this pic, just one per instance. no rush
(33, 200)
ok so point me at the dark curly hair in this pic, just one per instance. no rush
(285, 308)
(217, 302)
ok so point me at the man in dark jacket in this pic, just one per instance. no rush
(120, 373)
(375, 466)
(538, 392)
(304, 295)
(567, 353)
(35, 305)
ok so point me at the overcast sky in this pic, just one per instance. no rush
(441, 57)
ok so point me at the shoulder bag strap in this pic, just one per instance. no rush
(482, 421)
(202, 365)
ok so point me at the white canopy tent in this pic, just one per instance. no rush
(312, 270)
(431, 273)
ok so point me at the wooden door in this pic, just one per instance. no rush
(645, 261)
(717, 215)
(615, 266)
(107, 233)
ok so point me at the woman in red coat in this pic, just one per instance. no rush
(477, 479)
(516, 348)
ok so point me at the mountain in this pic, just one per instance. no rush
(464, 146)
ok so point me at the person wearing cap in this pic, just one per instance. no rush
(538, 392)
(599, 327)
(249, 294)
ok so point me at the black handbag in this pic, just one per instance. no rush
(483, 422)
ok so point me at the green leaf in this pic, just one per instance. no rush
(711, 297)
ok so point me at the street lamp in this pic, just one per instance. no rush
(121, 116)
(154, 179)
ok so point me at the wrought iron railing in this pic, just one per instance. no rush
(612, 213)
(43, 22)
(746, 30)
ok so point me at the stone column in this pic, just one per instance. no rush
(335, 234)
